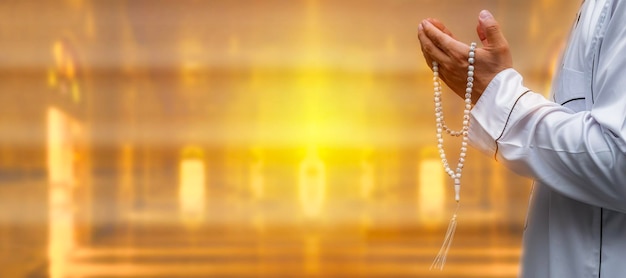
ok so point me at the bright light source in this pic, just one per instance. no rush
(312, 183)
(431, 206)
(191, 191)
(61, 180)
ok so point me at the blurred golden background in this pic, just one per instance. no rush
(240, 138)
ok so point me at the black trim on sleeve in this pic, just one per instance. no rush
(580, 98)
(495, 155)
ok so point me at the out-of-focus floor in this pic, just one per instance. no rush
(170, 252)
(234, 138)
(158, 242)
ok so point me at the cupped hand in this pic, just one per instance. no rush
(438, 44)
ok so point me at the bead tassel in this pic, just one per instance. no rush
(440, 260)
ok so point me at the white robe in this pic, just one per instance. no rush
(573, 146)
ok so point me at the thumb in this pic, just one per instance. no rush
(489, 30)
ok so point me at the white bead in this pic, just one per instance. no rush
(441, 126)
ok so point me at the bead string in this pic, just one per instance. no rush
(440, 259)
(441, 125)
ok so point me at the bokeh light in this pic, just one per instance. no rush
(232, 138)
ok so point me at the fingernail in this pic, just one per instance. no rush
(421, 27)
(485, 14)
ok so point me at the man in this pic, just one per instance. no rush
(574, 146)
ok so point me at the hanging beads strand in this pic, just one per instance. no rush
(455, 175)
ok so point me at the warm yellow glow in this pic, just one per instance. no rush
(52, 78)
(243, 88)
(58, 54)
(257, 181)
(61, 205)
(191, 190)
(189, 73)
(57, 133)
(367, 179)
(126, 193)
(191, 68)
(312, 185)
(312, 254)
(75, 92)
(431, 205)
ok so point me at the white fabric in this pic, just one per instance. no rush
(574, 147)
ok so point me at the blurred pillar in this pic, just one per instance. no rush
(431, 189)
(312, 185)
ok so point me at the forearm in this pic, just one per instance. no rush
(570, 152)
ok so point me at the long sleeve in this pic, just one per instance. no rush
(581, 155)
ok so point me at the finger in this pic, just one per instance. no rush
(429, 60)
(490, 29)
(440, 26)
(427, 57)
(435, 35)
(481, 34)
(447, 44)
(431, 51)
